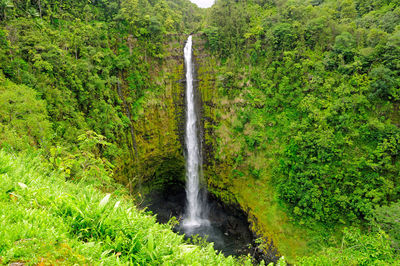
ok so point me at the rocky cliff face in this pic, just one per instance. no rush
(229, 175)
(160, 124)
(235, 174)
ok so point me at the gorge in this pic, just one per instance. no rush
(201, 214)
(286, 139)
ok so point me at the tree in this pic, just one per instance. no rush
(4, 6)
(23, 117)
(284, 37)
(345, 45)
(384, 84)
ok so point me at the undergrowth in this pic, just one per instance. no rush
(47, 219)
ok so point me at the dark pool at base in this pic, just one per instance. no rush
(229, 244)
(228, 228)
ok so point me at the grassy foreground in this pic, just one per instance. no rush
(45, 219)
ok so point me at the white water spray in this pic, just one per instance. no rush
(194, 203)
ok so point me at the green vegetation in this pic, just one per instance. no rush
(87, 66)
(46, 219)
(301, 123)
(306, 131)
(356, 248)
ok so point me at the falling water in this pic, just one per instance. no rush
(228, 230)
(193, 217)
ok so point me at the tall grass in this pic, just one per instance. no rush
(46, 219)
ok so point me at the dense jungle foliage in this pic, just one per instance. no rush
(73, 75)
(310, 96)
(82, 68)
(315, 90)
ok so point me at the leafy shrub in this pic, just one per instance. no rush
(23, 117)
(387, 218)
(356, 248)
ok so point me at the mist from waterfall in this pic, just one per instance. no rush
(194, 208)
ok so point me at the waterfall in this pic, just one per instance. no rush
(194, 212)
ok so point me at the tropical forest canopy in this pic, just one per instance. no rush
(322, 82)
(312, 88)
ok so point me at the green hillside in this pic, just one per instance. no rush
(47, 220)
(306, 117)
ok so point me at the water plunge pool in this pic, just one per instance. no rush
(228, 228)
